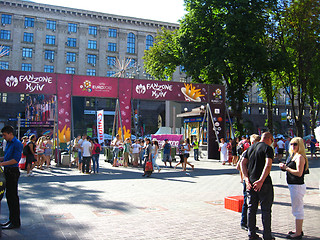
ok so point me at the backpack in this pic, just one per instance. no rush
(98, 150)
(26, 150)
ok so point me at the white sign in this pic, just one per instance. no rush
(100, 126)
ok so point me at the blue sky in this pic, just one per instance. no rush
(162, 10)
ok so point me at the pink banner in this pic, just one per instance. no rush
(27, 82)
(174, 139)
(165, 90)
(91, 86)
(64, 106)
(125, 89)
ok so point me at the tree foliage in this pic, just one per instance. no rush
(162, 59)
(298, 39)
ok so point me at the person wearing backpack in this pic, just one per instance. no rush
(95, 155)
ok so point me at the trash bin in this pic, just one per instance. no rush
(173, 153)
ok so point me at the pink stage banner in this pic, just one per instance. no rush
(174, 139)
(91, 86)
(165, 90)
(28, 82)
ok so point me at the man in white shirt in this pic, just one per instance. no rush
(86, 154)
(136, 148)
(280, 144)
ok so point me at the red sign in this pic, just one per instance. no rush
(165, 90)
(27, 82)
(95, 86)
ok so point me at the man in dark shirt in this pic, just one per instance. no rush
(10, 161)
(256, 166)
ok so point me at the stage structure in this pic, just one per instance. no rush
(64, 86)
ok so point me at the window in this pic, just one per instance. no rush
(111, 61)
(92, 59)
(70, 70)
(132, 62)
(5, 34)
(131, 43)
(110, 73)
(262, 110)
(246, 98)
(28, 22)
(182, 69)
(26, 67)
(276, 111)
(6, 50)
(72, 42)
(27, 52)
(4, 65)
(93, 30)
(149, 42)
(259, 99)
(92, 44)
(28, 37)
(22, 98)
(112, 47)
(6, 19)
(91, 72)
(51, 24)
(275, 101)
(4, 97)
(247, 110)
(71, 57)
(90, 102)
(48, 68)
(49, 55)
(72, 27)
(50, 39)
(112, 32)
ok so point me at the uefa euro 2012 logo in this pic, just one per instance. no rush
(86, 86)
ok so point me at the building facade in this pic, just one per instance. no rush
(45, 38)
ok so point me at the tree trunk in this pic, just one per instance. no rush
(269, 117)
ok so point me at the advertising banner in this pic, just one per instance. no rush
(28, 82)
(100, 126)
(165, 90)
(91, 86)
(174, 139)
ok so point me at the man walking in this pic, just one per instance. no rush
(256, 166)
(167, 153)
(10, 161)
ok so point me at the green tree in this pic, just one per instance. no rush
(298, 39)
(221, 41)
(162, 59)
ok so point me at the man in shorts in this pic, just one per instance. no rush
(167, 153)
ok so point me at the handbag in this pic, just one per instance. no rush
(148, 167)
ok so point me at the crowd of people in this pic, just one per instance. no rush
(231, 151)
(127, 153)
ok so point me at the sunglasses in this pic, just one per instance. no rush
(294, 144)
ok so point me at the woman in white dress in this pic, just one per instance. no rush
(223, 151)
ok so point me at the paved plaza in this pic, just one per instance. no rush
(119, 203)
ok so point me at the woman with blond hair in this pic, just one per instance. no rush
(296, 166)
(40, 147)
